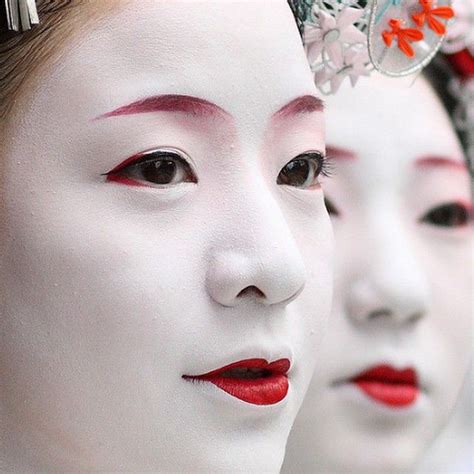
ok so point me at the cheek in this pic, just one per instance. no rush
(316, 243)
(449, 266)
(88, 273)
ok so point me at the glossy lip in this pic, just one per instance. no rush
(253, 381)
(395, 388)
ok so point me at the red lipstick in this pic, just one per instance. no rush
(387, 385)
(254, 381)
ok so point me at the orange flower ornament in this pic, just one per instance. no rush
(428, 15)
(403, 35)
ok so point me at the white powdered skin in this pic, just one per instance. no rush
(110, 293)
(387, 259)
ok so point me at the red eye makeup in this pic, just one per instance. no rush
(162, 167)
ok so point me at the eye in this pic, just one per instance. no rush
(331, 208)
(448, 215)
(303, 171)
(164, 167)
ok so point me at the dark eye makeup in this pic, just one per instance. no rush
(453, 214)
(304, 170)
(163, 167)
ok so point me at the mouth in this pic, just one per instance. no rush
(389, 386)
(254, 381)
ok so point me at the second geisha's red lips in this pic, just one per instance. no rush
(387, 385)
(254, 381)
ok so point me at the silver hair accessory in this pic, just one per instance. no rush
(21, 14)
(351, 38)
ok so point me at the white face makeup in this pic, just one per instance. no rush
(453, 448)
(207, 251)
(399, 338)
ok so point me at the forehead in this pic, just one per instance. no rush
(244, 56)
(390, 124)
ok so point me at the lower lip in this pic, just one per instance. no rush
(391, 387)
(262, 391)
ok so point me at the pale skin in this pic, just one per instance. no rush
(453, 448)
(403, 280)
(111, 291)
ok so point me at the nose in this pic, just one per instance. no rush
(390, 283)
(258, 259)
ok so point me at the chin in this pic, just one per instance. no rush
(239, 452)
(392, 455)
(368, 453)
(381, 441)
(358, 441)
(222, 434)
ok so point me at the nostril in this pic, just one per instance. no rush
(380, 313)
(415, 317)
(251, 292)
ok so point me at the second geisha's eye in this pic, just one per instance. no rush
(448, 215)
(164, 167)
(303, 171)
(331, 207)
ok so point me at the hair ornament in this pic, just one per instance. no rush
(462, 88)
(20, 15)
(351, 38)
(460, 34)
(458, 48)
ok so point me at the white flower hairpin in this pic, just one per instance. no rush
(350, 38)
(460, 34)
(20, 15)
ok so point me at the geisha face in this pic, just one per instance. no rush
(153, 231)
(399, 337)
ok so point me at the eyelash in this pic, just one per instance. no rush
(156, 158)
(307, 166)
(328, 169)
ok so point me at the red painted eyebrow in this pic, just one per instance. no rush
(169, 103)
(339, 153)
(441, 161)
(301, 105)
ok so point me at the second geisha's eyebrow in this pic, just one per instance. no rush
(440, 162)
(339, 153)
(169, 103)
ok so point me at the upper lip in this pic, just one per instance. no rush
(253, 381)
(394, 388)
(248, 368)
(385, 373)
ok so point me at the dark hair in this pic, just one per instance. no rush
(301, 10)
(21, 54)
(440, 75)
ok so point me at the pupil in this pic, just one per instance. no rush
(297, 172)
(160, 172)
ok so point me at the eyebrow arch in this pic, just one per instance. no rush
(301, 105)
(169, 103)
(440, 161)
